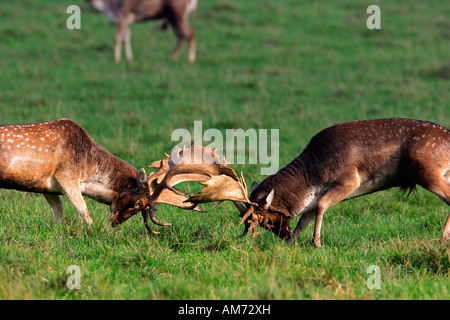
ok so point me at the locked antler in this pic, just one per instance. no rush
(204, 166)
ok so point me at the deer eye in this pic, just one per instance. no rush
(138, 204)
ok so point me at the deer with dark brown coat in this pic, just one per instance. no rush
(342, 162)
(59, 158)
(125, 12)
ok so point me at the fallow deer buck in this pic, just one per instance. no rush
(342, 162)
(125, 12)
(59, 158)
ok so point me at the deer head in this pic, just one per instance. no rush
(131, 202)
(261, 211)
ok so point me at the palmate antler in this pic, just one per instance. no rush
(159, 194)
(204, 166)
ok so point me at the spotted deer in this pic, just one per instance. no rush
(59, 158)
(342, 162)
(125, 12)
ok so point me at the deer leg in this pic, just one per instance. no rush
(439, 184)
(183, 31)
(56, 205)
(191, 38)
(128, 51)
(446, 232)
(120, 34)
(176, 51)
(304, 221)
(329, 199)
(73, 193)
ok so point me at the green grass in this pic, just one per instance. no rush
(289, 65)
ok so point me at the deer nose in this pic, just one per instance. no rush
(114, 222)
(289, 235)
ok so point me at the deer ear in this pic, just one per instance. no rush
(142, 179)
(254, 185)
(269, 199)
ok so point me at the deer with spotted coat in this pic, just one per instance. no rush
(125, 12)
(342, 162)
(59, 158)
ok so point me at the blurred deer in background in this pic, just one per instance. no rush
(125, 12)
(341, 162)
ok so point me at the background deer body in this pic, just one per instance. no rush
(125, 12)
(58, 157)
(352, 159)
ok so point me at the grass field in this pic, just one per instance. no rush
(296, 66)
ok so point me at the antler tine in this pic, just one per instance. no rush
(244, 185)
(145, 214)
(250, 224)
(152, 217)
(250, 212)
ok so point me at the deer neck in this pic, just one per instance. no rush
(300, 189)
(108, 177)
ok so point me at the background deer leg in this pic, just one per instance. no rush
(183, 31)
(128, 51)
(120, 34)
(54, 202)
